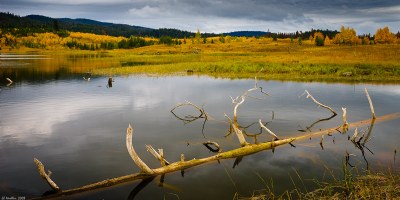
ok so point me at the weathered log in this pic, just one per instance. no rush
(181, 165)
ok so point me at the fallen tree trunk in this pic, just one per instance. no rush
(235, 153)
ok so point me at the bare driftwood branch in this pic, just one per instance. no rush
(10, 82)
(353, 138)
(187, 119)
(243, 98)
(345, 123)
(45, 176)
(370, 103)
(269, 131)
(157, 155)
(234, 124)
(144, 168)
(237, 104)
(320, 104)
(238, 132)
(235, 153)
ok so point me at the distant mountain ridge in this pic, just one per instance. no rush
(248, 33)
(39, 23)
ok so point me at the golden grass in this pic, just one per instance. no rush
(374, 186)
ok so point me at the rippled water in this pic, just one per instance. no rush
(77, 129)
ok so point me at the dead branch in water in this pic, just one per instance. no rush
(209, 147)
(45, 176)
(345, 123)
(320, 104)
(166, 167)
(234, 124)
(144, 168)
(176, 166)
(243, 97)
(10, 82)
(370, 103)
(269, 131)
(237, 131)
(157, 155)
(181, 165)
(187, 119)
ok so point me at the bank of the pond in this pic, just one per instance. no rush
(273, 71)
(278, 61)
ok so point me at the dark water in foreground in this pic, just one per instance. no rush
(77, 129)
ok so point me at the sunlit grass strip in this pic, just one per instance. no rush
(373, 185)
(328, 72)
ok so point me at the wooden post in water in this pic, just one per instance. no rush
(110, 80)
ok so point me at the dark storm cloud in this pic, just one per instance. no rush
(221, 15)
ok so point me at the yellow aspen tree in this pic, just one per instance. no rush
(327, 40)
(384, 36)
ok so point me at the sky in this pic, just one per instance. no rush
(219, 16)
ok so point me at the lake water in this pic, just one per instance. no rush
(77, 129)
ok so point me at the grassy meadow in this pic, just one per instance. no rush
(240, 57)
(267, 59)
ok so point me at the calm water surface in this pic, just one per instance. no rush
(77, 129)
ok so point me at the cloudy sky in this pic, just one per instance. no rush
(223, 15)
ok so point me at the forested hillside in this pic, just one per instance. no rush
(22, 26)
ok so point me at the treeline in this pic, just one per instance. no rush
(303, 35)
(24, 26)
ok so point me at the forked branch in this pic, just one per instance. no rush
(157, 155)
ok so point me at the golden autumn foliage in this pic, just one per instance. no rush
(93, 38)
(319, 39)
(366, 41)
(319, 35)
(347, 36)
(8, 40)
(327, 40)
(384, 36)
